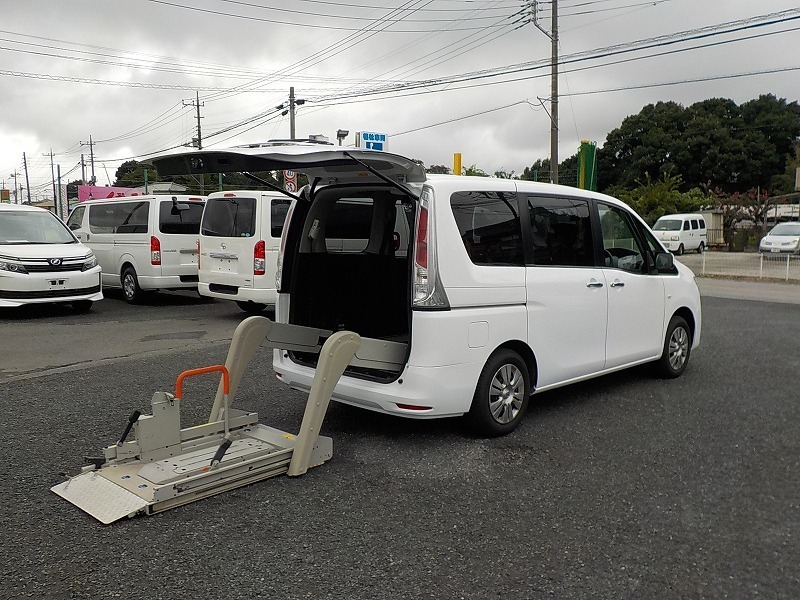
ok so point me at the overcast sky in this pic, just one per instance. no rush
(127, 73)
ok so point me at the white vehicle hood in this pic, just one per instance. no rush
(330, 164)
(34, 251)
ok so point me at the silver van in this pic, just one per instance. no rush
(143, 243)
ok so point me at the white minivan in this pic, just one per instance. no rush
(143, 243)
(239, 239)
(681, 233)
(42, 261)
(505, 288)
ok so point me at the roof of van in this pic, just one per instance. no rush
(179, 197)
(682, 216)
(329, 163)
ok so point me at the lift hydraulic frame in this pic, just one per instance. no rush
(167, 466)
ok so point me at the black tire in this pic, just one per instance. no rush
(82, 306)
(501, 395)
(130, 286)
(677, 348)
(701, 247)
(252, 308)
(679, 251)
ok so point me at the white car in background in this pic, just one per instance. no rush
(784, 237)
(41, 261)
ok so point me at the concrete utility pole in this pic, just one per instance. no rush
(197, 104)
(554, 94)
(14, 176)
(90, 143)
(53, 175)
(27, 181)
(291, 113)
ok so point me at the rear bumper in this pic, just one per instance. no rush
(229, 291)
(168, 282)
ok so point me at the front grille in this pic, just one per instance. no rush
(48, 268)
(14, 295)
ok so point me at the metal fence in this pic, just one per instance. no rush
(752, 265)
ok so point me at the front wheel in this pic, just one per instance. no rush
(501, 396)
(701, 247)
(677, 347)
(679, 251)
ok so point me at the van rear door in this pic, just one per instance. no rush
(230, 232)
(178, 229)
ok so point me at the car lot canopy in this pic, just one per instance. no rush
(330, 164)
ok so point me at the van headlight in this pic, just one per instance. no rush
(675, 238)
(91, 263)
(12, 267)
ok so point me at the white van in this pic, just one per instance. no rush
(239, 239)
(680, 233)
(143, 243)
(505, 288)
(41, 261)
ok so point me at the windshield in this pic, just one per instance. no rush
(786, 229)
(33, 227)
(667, 225)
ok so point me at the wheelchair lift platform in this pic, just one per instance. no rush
(167, 466)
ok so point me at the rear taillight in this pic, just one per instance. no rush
(198, 254)
(260, 258)
(428, 289)
(155, 251)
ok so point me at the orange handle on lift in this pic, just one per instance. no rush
(201, 371)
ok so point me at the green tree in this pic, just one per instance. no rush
(655, 198)
(131, 174)
(440, 169)
(475, 171)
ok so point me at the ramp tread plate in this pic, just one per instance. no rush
(94, 494)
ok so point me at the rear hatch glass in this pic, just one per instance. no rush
(230, 217)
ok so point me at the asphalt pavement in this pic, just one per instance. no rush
(622, 487)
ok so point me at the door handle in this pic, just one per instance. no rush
(594, 284)
(617, 284)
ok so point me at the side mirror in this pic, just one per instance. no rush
(177, 208)
(665, 262)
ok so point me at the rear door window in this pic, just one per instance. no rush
(177, 219)
(489, 226)
(561, 231)
(279, 207)
(348, 225)
(695, 224)
(229, 217)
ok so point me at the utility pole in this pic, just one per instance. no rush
(197, 104)
(554, 94)
(291, 113)
(83, 170)
(53, 175)
(90, 143)
(27, 181)
(14, 176)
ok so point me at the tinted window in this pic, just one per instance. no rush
(278, 211)
(695, 224)
(489, 226)
(229, 217)
(183, 217)
(702, 224)
(622, 249)
(350, 219)
(686, 225)
(561, 231)
(119, 217)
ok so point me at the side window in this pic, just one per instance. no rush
(686, 225)
(76, 218)
(488, 223)
(695, 224)
(278, 210)
(702, 223)
(561, 231)
(181, 218)
(622, 249)
(122, 217)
